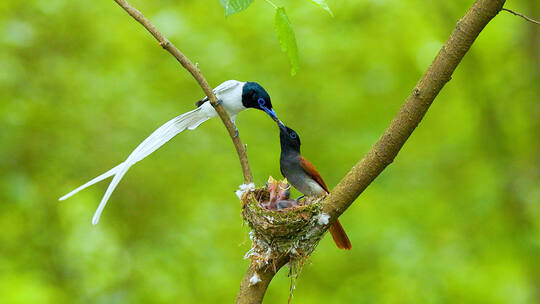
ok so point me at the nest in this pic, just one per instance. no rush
(292, 232)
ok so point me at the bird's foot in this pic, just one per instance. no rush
(236, 129)
(219, 101)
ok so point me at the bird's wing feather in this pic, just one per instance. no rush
(158, 138)
(226, 85)
(201, 102)
(220, 89)
(311, 171)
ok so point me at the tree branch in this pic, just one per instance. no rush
(413, 110)
(520, 15)
(188, 65)
(407, 119)
(254, 293)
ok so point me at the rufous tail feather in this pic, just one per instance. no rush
(340, 237)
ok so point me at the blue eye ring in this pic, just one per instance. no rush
(261, 101)
(293, 135)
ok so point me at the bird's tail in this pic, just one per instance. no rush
(158, 138)
(340, 237)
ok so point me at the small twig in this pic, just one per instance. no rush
(193, 69)
(521, 15)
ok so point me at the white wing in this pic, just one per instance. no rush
(224, 87)
(227, 85)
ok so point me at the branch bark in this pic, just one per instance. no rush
(250, 293)
(404, 123)
(415, 107)
(188, 65)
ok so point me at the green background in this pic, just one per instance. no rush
(455, 219)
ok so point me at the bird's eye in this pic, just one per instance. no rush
(293, 135)
(261, 101)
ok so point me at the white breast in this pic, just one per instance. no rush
(314, 189)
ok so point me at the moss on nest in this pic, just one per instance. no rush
(294, 232)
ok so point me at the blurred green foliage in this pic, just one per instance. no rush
(455, 219)
(282, 25)
(235, 6)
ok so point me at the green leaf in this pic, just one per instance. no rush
(234, 6)
(322, 4)
(286, 38)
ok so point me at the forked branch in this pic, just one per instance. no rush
(415, 107)
(394, 137)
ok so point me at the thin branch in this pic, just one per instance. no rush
(521, 15)
(188, 65)
(407, 119)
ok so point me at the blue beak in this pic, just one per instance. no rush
(272, 113)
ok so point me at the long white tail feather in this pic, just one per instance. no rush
(94, 181)
(116, 179)
(158, 138)
(144, 149)
(162, 135)
(197, 123)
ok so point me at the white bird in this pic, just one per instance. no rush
(235, 96)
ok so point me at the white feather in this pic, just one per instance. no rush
(90, 183)
(230, 92)
(158, 138)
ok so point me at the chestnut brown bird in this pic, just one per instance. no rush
(304, 177)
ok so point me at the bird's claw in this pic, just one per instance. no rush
(219, 101)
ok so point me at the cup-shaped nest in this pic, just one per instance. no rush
(293, 231)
